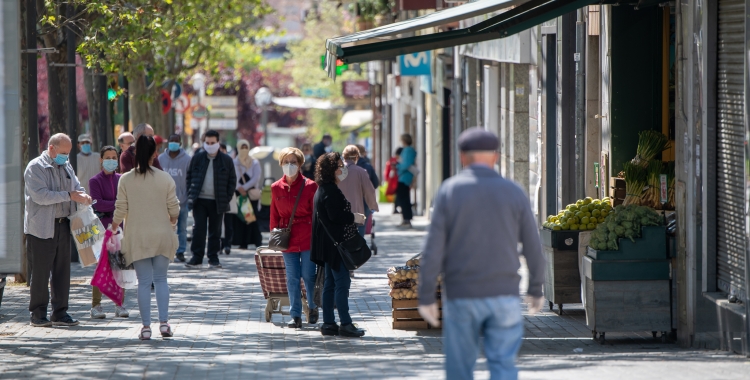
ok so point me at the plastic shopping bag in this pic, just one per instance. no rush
(123, 274)
(88, 235)
(245, 209)
(104, 278)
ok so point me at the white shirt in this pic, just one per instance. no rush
(88, 166)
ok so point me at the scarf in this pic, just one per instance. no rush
(244, 155)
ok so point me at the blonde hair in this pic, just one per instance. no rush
(291, 151)
(351, 152)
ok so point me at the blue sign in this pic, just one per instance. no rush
(415, 64)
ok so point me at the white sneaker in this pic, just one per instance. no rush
(121, 312)
(98, 313)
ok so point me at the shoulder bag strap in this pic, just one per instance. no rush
(296, 202)
(326, 229)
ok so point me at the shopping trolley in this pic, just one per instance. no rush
(370, 230)
(272, 273)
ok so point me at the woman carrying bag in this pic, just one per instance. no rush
(147, 202)
(333, 220)
(291, 216)
(249, 176)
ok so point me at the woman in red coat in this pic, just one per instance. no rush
(284, 193)
(391, 177)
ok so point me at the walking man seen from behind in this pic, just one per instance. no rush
(211, 182)
(51, 192)
(127, 157)
(88, 163)
(176, 162)
(478, 220)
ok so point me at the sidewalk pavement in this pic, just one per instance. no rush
(221, 333)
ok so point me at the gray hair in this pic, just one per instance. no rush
(58, 138)
(140, 129)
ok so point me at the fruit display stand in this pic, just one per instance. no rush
(403, 282)
(562, 282)
(406, 316)
(628, 289)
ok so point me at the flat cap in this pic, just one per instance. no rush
(477, 139)
(84, 137)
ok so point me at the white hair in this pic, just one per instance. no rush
(58, 138)
(139, 130)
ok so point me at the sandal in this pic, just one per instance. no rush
(166, 330)
(145, 333)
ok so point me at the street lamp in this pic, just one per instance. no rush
(263, 99)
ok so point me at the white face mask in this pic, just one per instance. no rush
(344, 173)
(290, 170)
(211, 149)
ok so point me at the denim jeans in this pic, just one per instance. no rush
(336, 289)
(363, 228)
(152, 270)
(182, 229)
(497, 319)
(298, 265)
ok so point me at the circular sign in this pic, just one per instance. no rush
(181, 104)
(200, 112)
(166, 102)
(176, 91)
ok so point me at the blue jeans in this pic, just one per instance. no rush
(363, 228)
(336, 289)
(298, 265)
(182, 229)
(498, 319)
(148, 271)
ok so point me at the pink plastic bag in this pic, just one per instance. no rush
(104, 278)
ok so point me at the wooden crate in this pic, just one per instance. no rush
(622, 306)
(562, 282)
(406, 316)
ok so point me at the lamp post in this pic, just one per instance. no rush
(263, 99)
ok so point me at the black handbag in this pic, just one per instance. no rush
(279, 238)
(354, 251)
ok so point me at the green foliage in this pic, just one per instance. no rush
(304, 58)
(170, 38)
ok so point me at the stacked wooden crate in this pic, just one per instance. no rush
(404, 281)
(406, 316)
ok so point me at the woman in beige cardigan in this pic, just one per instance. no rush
(147, 201)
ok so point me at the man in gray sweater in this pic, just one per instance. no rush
(176, 162)
(478, 220)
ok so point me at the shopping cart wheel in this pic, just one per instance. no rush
(268, 316)
(374, 249)
(269, 309)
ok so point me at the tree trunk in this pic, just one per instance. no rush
(92, 102)
(57, 79)
(145, 105)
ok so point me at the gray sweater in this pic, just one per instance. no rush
(478, 220)
(177, 167)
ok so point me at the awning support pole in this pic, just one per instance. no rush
(580, 105)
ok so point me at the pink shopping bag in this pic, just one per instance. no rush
(368, 225)
(103, 277)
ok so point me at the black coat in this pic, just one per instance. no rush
(328, 205)
(319, 149)
(364, 163)
(225, 179)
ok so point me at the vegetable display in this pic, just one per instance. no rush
(404, 280)
(650, 143)
(585, 214)
(623, 222)
(636, 178)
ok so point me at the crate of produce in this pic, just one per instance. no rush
(652, 245)
(560, 240)
(625, 270)
(406, 315)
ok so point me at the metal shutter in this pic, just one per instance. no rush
(730, 212)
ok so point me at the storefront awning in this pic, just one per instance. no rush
(355, 119)
(304, 103)
(524, 15)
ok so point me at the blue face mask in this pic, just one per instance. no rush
(174, 146)
(86, 148)
(110, 165)
(61, 159)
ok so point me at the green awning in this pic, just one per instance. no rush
(523, 16)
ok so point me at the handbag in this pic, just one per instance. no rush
(233, 205)
(354, 251)
(245, 210)
(279, 239)
(254, 193)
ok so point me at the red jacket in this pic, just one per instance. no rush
(282, 203)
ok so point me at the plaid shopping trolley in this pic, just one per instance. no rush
(272, 273)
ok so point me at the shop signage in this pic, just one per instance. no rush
(417, 5)
(199, 112)
(224, 124)
(356, 88)
(663, 188)
(315, 92)
(415, 64)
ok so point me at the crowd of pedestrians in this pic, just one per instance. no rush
(324, 198)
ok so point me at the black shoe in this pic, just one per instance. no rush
(329, 330)
(243, 247)
(43, 322)
(295, 323)
(312, 317)
(67, 320)
(351, 331)
(227, 251)
(214, 264)
(180, 257)
(192, 264)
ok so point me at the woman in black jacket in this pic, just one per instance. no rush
(332, 210)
